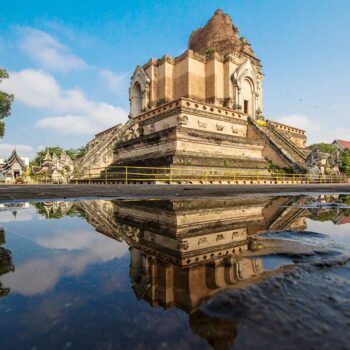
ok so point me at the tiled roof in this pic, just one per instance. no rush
(345, 144)
(344, 220)
(12, 159)
(35, 169)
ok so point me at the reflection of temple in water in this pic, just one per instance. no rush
(185, 251)
(189, 250)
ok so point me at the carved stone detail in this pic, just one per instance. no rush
(246, 72)
(182, 119)
(234, 131)
(202, 125)
(202, 240)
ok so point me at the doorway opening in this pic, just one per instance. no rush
(245, 106)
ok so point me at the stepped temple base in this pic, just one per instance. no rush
(187, 134)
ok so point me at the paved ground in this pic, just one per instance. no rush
(20, 192)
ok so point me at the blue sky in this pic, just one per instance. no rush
(71, 61)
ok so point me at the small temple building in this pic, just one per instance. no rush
(13, 167)
(55, 168)
(201, 110)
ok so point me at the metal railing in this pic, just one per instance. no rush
(170, 175)
(289, 145)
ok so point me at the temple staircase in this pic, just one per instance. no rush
(100, 151)
(288, 217)
(287, 150)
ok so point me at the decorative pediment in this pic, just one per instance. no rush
(141, 77)
(139, 92)
(245, 70)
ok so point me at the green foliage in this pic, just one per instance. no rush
(2, 237)
(326, 216)
(6, 265)
(345, 198)
(57, 212)
(210, 51)
(5, 103)
(329, 214)
(345, 162)
(72, 152)
(324, 147)
(76, 152)
(274, 169)
(41, 155)
(244, 40)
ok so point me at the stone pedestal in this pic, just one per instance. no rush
(188, 135)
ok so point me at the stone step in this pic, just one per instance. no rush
(282, 145)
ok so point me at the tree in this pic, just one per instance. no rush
(5, 103)
(6, 264)
(324, 147)
(345, 162)
(57, 213)
(76, 152)
(41, 155)
(72, 152)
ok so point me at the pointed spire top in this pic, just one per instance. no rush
(47, 157)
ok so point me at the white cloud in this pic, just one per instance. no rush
(317, 130)
(116, 82)
(74, 252)
(23, 150)
(71, 112)
(69, 124)
(21, 215)
(296, 120)
(48, 52)
(33, 87)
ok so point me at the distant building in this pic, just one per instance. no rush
(321, 163)
(13, 167)
(55, 168)
(341, 144)
(343, 220)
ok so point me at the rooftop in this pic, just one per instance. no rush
(345, 144)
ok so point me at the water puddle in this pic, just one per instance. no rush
(242, 272)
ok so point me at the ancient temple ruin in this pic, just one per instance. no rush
(203, 110)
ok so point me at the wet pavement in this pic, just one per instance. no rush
(52, 191)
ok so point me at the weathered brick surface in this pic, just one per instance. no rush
(218, 34)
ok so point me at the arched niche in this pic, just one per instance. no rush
(139, 92)
(246, 89)
(247, 96)
(136, 99)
